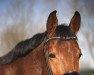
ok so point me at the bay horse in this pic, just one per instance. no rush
(53, 52)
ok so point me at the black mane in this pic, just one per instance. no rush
(26, 46)
(22, 48)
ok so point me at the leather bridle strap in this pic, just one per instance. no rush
(47, 63)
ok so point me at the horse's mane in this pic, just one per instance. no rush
(23, 48)
(26, 46)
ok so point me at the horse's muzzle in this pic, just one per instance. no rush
(71, 73)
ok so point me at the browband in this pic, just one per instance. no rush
(63, 38)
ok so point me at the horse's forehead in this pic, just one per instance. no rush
(63, 46)
(63, 43)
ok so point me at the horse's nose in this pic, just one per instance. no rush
(71, 73)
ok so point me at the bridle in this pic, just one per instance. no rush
(46, 57)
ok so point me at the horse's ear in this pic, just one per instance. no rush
(52, 23)
(75, 22)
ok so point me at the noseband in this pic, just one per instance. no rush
(46, 57)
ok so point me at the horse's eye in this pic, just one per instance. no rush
(51, 55)
(80, 55)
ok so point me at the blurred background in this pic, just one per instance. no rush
(21, 19)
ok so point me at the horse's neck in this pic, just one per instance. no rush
(40, 56)
(34, 61)
(42, 59)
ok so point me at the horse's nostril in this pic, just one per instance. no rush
(71, 73)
